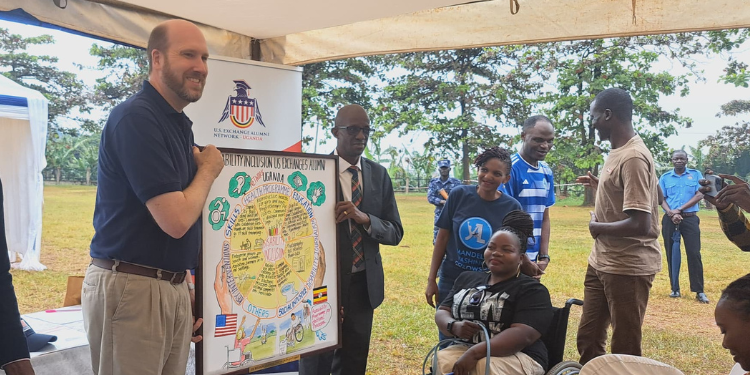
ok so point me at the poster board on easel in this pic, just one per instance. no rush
(268, 282)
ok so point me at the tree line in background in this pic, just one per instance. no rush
(463, 100)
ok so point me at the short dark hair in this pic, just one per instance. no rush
(520, 224)
(738, 292)
(616, 100)
(158, 40)
(493, 152)
(680, 151)
(531, 121)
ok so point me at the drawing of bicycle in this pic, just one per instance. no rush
(295, 333)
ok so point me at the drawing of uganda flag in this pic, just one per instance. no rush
(320, 295)
(226, 325)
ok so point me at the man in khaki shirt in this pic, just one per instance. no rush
(626, 252)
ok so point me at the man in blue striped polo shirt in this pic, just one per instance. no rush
(531, 183)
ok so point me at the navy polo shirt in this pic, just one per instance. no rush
(145, 151)
(679, 189)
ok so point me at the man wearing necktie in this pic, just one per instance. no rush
(367, 216)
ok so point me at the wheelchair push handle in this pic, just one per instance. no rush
(436, 348)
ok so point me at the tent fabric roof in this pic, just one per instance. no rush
(122, 24)
(295, 32)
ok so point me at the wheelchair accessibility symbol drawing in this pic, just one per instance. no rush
(219, 209)
(475, 233)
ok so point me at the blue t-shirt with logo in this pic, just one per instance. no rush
(534, 189)
(471, 221)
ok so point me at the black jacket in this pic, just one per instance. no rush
(12, 340)
(379, 202)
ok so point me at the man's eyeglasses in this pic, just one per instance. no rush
(354, 130)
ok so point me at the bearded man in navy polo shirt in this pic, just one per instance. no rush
(153, 183)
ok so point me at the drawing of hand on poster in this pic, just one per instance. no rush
(268, 292)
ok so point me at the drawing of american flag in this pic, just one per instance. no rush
(226, 325)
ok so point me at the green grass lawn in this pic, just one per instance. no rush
(680, 332)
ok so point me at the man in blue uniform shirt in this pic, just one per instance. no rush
(681, 196)
(531, 183)
(439, 189)
(153, 183)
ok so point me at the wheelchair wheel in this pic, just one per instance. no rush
(565, 368)
(299, 332)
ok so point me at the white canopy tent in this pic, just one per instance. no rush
(23, 125)
(295, 32)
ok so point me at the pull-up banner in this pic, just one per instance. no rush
(249, 105)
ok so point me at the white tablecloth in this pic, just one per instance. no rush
(737, 370)
(70, 354)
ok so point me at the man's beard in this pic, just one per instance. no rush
(176, 84)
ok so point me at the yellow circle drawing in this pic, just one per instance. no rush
(272, 250)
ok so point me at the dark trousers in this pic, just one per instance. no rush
(691, 240)
(351, 358)
(445, 284)
(617, 299)
(435, 227)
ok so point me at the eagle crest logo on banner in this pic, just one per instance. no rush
(241, 109)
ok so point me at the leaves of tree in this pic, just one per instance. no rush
(64, 90)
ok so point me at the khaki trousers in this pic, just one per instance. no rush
(621, 364)
(135, 324)
(517, 364)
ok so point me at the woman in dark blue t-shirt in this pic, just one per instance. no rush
(470, 216)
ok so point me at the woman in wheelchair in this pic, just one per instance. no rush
(515, 309)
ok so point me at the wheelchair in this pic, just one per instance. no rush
(554, 340)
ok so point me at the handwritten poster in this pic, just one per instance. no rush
(269, 288)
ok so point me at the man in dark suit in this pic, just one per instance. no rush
(367, 216)
(14, 355)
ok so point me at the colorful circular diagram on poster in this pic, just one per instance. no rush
(271, 250)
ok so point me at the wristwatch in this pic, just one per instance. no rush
(450, 326)
(542, 256)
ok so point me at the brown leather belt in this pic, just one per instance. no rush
(107, 264)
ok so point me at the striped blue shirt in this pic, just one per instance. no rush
(533, 187)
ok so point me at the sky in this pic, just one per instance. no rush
(702, 104)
